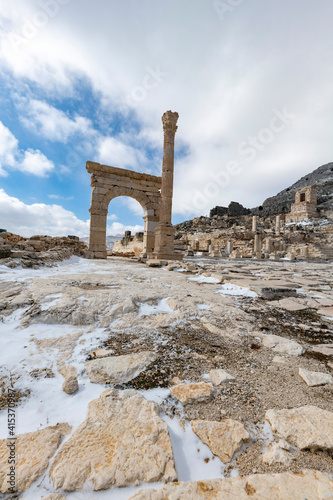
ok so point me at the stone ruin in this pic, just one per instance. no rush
(305, 206)
(273, 237)
(129, 246)
(153, 193)
(233, 210)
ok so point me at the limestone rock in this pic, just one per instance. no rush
(326, 349)
(34, 450)
(192, 393)
(315, 378)
(309, 484)
(71, 384)
(54, 496)
(276, 454)
(326, 311)
(280, 344)
(118, 369)
(101, 353)
(122, 442)
(219, 376)
(308, 426)
(224, 438)
(290, 304)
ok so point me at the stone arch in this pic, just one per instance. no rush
(109, 183)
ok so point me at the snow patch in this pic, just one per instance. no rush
(237, 291)
(162, 307)
(205, 279)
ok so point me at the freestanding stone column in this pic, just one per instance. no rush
(164, 242)
(257, 246)
(254, 223)
(229, 247)
(278, 225)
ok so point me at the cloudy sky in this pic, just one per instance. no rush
(89, 80)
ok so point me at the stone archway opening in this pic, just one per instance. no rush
(110, 182)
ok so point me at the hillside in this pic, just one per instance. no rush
(322, 178)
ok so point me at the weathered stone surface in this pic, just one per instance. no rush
(276, 454)
(33, 452)
(290, 304)
(280, 344)
(122, 442)
(326, 311)
(224, 438)
(54, 496)
(189, 394)
(118, 369)
(308, 426)
(219, 376)
(275, 292)
(326, 349)
(101, 353)
(315, 378)
(309, 484)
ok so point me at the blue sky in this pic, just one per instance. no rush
(82, 80)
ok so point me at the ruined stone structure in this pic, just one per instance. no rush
(164, 248)
(234, 209)
(129, 246)
(153, 193)
(108, 183)
(305, 206)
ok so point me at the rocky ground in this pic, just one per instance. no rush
(124, 377)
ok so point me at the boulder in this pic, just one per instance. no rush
(193, 393)
(326, 311)
(223, 438)
(71, 384)
(219, 376)
(118, 369)
(315, 378)
(276, 455)
(280, 344)
(33, 451)
(122, 442)
(54, 496)
(309, 427)
(326, 349)
(309, 484)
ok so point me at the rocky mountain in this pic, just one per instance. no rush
(322, 178)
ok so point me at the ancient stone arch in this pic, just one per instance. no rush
(153, 193)
(108, 183)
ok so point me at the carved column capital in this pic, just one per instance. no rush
(169, 120)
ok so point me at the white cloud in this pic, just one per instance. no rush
(51, 122)
(59, 197)
(111, 151)
(8, 148)
(223, 77)
(39, 218)
(31, 161)
(34, 162)
(118, 228)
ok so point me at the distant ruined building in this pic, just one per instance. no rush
(305, 206)
(233, 210)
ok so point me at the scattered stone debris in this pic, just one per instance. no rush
(224, 438)
(193, 393)
(190, 335)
